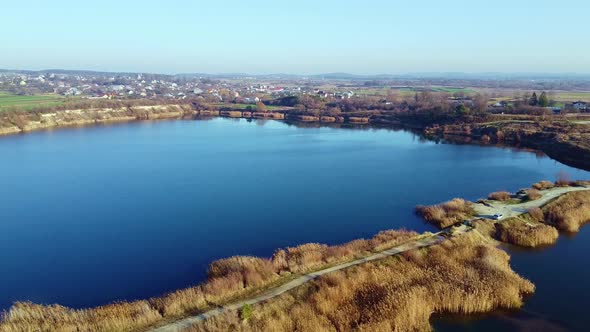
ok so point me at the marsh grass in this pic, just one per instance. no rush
(448, 213)
(533, 194)
(396, 294)
(569, 212)
(543, 185)
(525, 232)
(501, 196)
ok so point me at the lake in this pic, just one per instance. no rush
(128, 211)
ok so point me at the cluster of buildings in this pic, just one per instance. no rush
(93, 85)
(97, 85)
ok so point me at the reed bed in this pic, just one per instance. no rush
(501, 196)
(533, 194)
(396, 294)
(543, 185)
(446, 214)
(569, 212)
(526, 234)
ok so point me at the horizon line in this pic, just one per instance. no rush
(413, 73)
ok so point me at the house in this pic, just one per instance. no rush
(501, 104)
(580, 105)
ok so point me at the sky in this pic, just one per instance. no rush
(297, 37)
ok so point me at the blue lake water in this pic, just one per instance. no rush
(97, 214)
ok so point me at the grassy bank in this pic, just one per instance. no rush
(562, 138)
(10, 101)
(400, 293)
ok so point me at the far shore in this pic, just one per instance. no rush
(567, 149)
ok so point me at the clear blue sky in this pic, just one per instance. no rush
(304, 36)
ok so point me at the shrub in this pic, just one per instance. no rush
(246, 311)
(254, 271)
(533, 194)
(563, 179)
(500, 196)
(536, 214)
(543, 185)
(448, 213)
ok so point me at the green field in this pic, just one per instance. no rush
(410, 91)
(8, 101)
(571, 96)
(466, 91)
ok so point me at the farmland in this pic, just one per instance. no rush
(570, 96)
(410, 91)
(9, 101)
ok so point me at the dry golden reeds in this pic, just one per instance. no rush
(543, 185)
(569, 211)
(396, 294)
(446, 214)
(500, 196)
(524, 234)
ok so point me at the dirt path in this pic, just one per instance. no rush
(513, 210)
(187, 322)
(483, 211)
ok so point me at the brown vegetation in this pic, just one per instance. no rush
(446, 214)
(395, 294)
(563, 179)
(500, 196)
(519, 231)
(570, 211)
(114, 317)
(228, 279)
(543, 185)
(533, 194)
(536, 214)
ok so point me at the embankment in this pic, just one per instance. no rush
(20, 122)
(567, 143)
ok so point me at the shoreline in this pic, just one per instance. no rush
(286, 282)
(556, 147)
(452, 231)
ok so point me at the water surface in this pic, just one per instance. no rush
(97, 214)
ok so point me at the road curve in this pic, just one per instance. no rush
(513, 210)
(483, 211)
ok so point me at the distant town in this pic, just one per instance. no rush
(552, 93)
